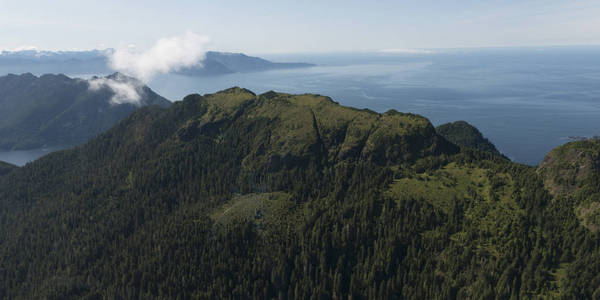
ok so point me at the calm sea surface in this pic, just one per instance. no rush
(526, 101)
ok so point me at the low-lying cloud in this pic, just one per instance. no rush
(167, 55)
(125, 91)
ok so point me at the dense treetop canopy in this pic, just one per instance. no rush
(237, 195)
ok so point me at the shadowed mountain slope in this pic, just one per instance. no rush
(55, 110)
(466, 135)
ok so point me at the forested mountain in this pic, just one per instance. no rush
(234, 195)
(464, 134)
(55, 110)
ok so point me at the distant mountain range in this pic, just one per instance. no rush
(65, 62)
(96, 62)
(217, 63)
(55, 110)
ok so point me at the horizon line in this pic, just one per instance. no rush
(390, 50)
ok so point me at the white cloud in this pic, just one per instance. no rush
(125, 91)
(167, 54)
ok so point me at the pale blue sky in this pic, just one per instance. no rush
(300, 26)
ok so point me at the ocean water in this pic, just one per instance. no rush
(526, 101)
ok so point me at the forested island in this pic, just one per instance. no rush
(238, 195)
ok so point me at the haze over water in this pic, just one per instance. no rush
(526, 101)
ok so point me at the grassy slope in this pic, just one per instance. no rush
(490, 206)
(269, 211)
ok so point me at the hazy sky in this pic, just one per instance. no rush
(300, 26)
